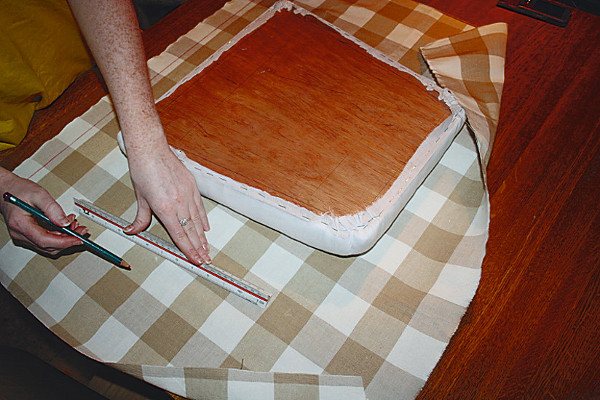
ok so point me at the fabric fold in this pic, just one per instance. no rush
(471, 66)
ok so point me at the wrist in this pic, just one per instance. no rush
(144, 140)
(6, 177)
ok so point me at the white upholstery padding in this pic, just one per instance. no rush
(345, 235)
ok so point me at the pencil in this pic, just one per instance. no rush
(101, 251)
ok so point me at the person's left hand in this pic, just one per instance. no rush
(23, 227)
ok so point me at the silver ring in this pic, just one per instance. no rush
(183, 222)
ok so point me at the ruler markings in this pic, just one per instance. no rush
(165, 249)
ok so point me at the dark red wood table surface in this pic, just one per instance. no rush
(532, 330)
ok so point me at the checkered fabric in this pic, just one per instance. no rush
(372, 326)
(471, 65)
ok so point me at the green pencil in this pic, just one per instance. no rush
(101, 251)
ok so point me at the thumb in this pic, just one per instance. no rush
(142, 219)
(54, 212)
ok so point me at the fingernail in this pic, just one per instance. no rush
(128, 229)
(69, 220)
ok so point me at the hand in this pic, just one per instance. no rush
(23, 227)
(161, 182)
(164, 185)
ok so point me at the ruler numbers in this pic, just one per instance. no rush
(170, 252)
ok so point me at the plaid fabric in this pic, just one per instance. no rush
(372, 326)
(471, 65)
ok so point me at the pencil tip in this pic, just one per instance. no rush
(125, 265)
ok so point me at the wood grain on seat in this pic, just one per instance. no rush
(298, 111)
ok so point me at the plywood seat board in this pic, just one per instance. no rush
(300, 112)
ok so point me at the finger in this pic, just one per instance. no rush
(182, 241)
(198, 223)
(195, 240)
(76, 226)
(201, 211)
(191, 230)
(48, 241)
(82, 230)
(142, 219)
(195, 232)
(52, 210)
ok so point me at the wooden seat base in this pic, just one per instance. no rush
(299, 111)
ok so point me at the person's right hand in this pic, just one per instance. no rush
(161, 182)
(164, 185)
(23, 227)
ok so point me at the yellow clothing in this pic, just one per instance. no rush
(41, 54)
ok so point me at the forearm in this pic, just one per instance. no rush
(161, 182)
(5, 176)
(112, 33)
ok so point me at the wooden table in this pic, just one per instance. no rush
(532, 329)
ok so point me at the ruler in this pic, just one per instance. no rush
(167, 250)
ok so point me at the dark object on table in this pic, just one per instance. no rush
(589, 6)
(548, 11)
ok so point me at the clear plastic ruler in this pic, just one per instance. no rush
(222, 278)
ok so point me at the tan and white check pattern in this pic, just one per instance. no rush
(372, 326)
